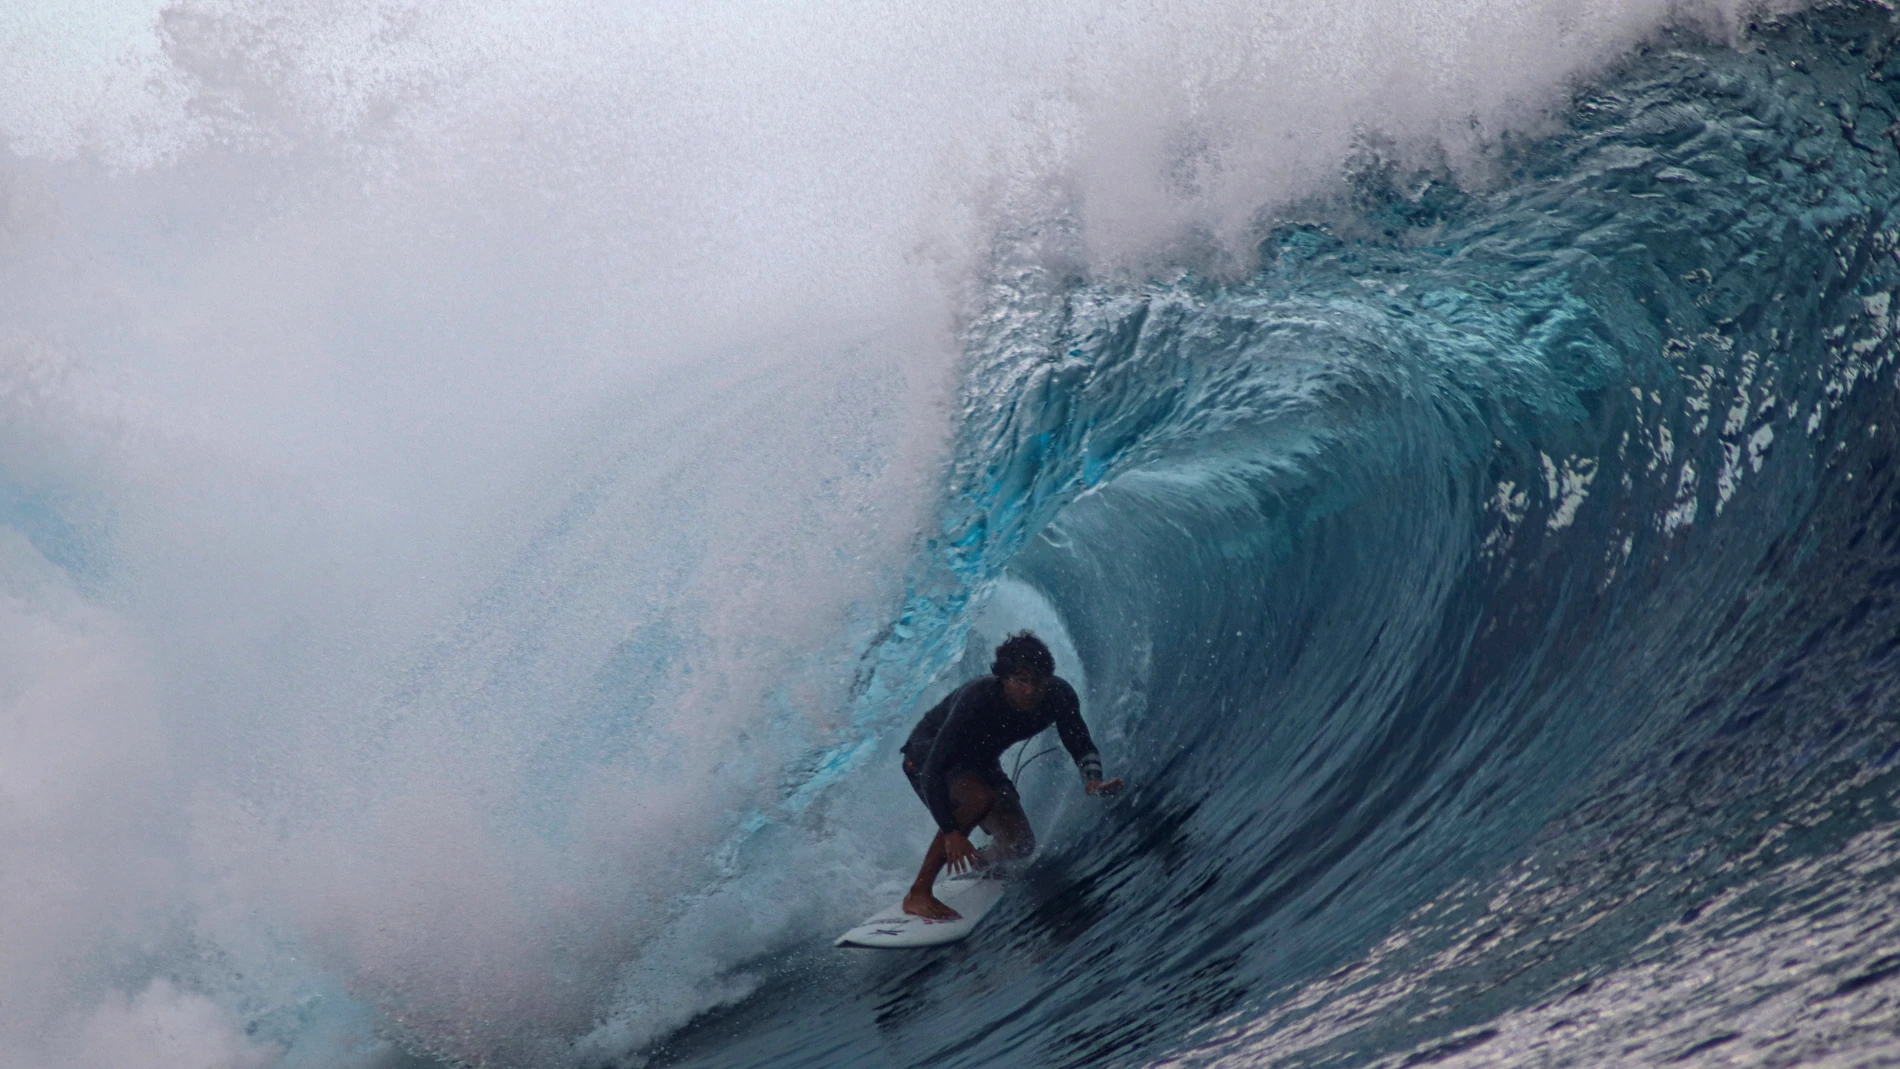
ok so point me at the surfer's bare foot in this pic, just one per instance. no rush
(924, 904)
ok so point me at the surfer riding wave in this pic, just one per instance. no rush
(953, 762)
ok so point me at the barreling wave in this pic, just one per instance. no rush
(1490, 601)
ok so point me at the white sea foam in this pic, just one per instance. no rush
(447, 459)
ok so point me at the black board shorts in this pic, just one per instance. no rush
(993, 776)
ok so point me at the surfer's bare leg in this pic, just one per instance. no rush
(1009, 830)
(971, 800)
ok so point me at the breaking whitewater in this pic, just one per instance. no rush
(1475, 537)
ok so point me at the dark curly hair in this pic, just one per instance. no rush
(1022, 653)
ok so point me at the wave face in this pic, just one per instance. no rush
(1490, 601)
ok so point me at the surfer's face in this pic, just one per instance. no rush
(1023, 692)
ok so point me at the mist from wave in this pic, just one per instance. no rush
(471, 489)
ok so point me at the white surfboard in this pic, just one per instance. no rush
(893, 929)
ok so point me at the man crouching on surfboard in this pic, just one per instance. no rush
(953, 761)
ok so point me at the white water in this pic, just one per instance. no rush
(449, 460)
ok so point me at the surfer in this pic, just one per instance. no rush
(953, 761)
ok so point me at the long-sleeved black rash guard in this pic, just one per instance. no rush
(972, 727)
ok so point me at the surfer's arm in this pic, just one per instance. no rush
(936, 763)
(1075, 739)
(1075, 736)
(958, 853)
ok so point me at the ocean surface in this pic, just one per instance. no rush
(1484, 576)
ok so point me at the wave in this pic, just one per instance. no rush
(1489, 601)
(447, 617)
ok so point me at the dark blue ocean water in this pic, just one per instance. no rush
(1490, 601)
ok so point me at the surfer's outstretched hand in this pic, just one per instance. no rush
(958, 851)
(1096, 786)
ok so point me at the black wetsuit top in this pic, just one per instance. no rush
(972, 727)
